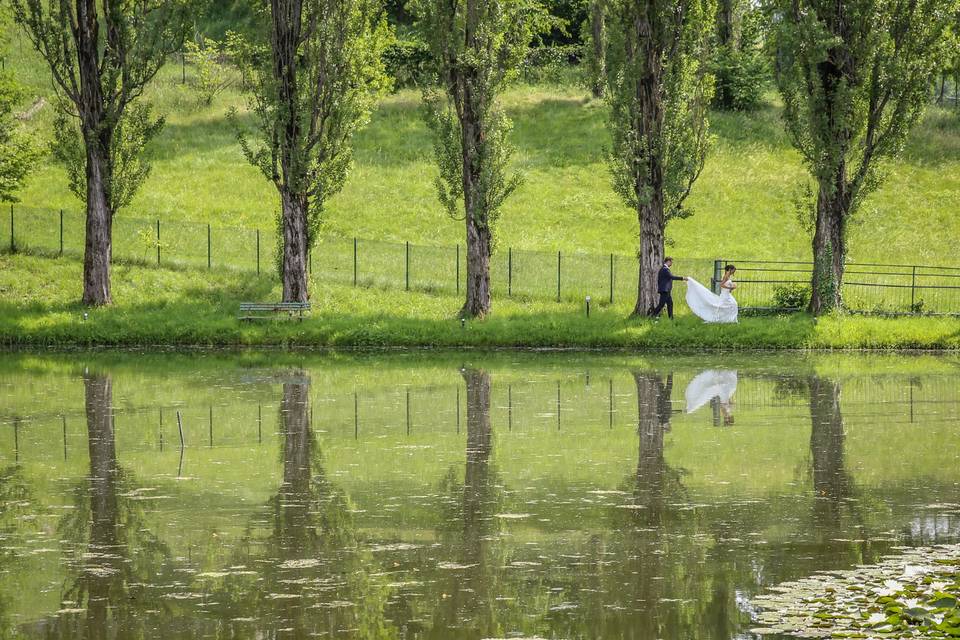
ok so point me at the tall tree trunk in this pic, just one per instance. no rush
(478, 269)
(97, 138)
(598, 32)
(287, 23)
(829, 247)
(295, 247)
(98, 245)
(104, 509)
(477, 217)
(726, 12)
(648, 186)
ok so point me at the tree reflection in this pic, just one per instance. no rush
(116, 559)
(311, 575)
(468, 577)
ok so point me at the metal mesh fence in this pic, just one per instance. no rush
(533, 275)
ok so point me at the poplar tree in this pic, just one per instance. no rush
(102, 55)
(314, 78)
(659, 94)
(477, 46)
(855, 78)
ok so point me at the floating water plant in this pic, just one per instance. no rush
(912, 595)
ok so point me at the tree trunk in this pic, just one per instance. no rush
(599, 35)
(479, 238)
(829, 247)
(653, 421)
(651, 255)
(648, 185)
(477, 304)
(295, 247)
(98, 246)
(726, 12)
(97, 139)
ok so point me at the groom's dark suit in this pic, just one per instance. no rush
(664, 288)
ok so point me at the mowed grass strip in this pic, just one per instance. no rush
(165, 307)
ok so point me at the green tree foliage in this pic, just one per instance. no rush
(212, 72)
(477, 46)
(101, 57)
(855, 78)
(315, 73)
(739, 62)
(659, 94)
(18, 151)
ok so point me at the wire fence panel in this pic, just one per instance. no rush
(514, 273)
(870, 288)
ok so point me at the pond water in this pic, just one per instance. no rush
(456, 495)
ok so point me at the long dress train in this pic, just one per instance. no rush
(709, 306)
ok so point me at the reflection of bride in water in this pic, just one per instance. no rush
(715, 386)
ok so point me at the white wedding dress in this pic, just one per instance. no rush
(709, 306)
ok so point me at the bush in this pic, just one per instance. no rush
(408, 63)
(793, 296)
(741, 77)
(549, 63)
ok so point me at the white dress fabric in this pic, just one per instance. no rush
(710, 384)
(709, 306)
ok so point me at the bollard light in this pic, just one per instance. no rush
(463, 323)
(84, 316)
(588, 306)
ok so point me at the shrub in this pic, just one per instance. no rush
(407, 62)
(741, 77)
(792, 296)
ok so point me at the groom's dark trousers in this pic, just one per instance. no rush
(664, 288)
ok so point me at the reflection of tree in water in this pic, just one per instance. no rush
(310, 577)
(834, 491)
(468, 579)
(115, 558)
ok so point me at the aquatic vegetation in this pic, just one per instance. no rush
(912, 595)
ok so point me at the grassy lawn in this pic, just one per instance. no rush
(743, 202)
(155, 307)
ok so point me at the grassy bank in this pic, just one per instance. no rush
(163, 307)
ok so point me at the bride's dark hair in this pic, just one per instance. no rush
(729, 268)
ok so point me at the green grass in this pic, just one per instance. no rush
(743, 202)
(154, 307)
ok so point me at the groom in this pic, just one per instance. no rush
(664, 288)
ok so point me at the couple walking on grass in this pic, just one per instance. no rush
(704, 303)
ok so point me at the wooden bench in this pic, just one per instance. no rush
(259, 310)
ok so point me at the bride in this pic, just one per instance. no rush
(710, 307)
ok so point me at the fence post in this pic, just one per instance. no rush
(258, 251)
(183, 68)
(61, 232)
(913, 290)
(158, 242)
(611, 278)
(558, 276)
(510, 271)
(13, 246)
(407, 267)
(209, 261)
(458, 268)
(354, 262)
(717, 276)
